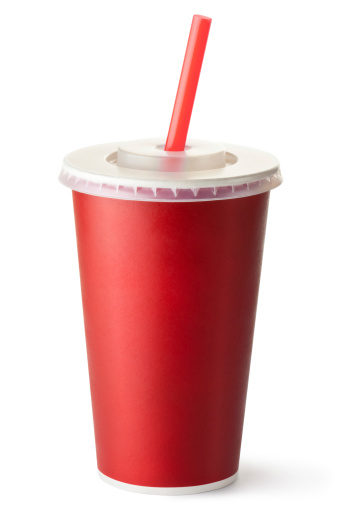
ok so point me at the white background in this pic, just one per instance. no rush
(76, 73)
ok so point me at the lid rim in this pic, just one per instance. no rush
(94, 170)
(173, 194)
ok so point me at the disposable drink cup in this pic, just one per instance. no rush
(170, 250)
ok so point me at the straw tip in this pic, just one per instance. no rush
(202, 18)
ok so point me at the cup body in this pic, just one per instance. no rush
(169, 294)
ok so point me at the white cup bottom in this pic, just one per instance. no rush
(189, 490)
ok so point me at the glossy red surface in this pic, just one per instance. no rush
(187, 86)
(169, 297)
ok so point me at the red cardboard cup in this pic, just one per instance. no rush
(170, 249)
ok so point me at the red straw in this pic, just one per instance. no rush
(187, 87)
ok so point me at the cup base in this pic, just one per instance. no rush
(189, 490)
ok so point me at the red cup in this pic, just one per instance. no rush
(169, 294)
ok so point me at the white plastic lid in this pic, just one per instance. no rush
(142, 170)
